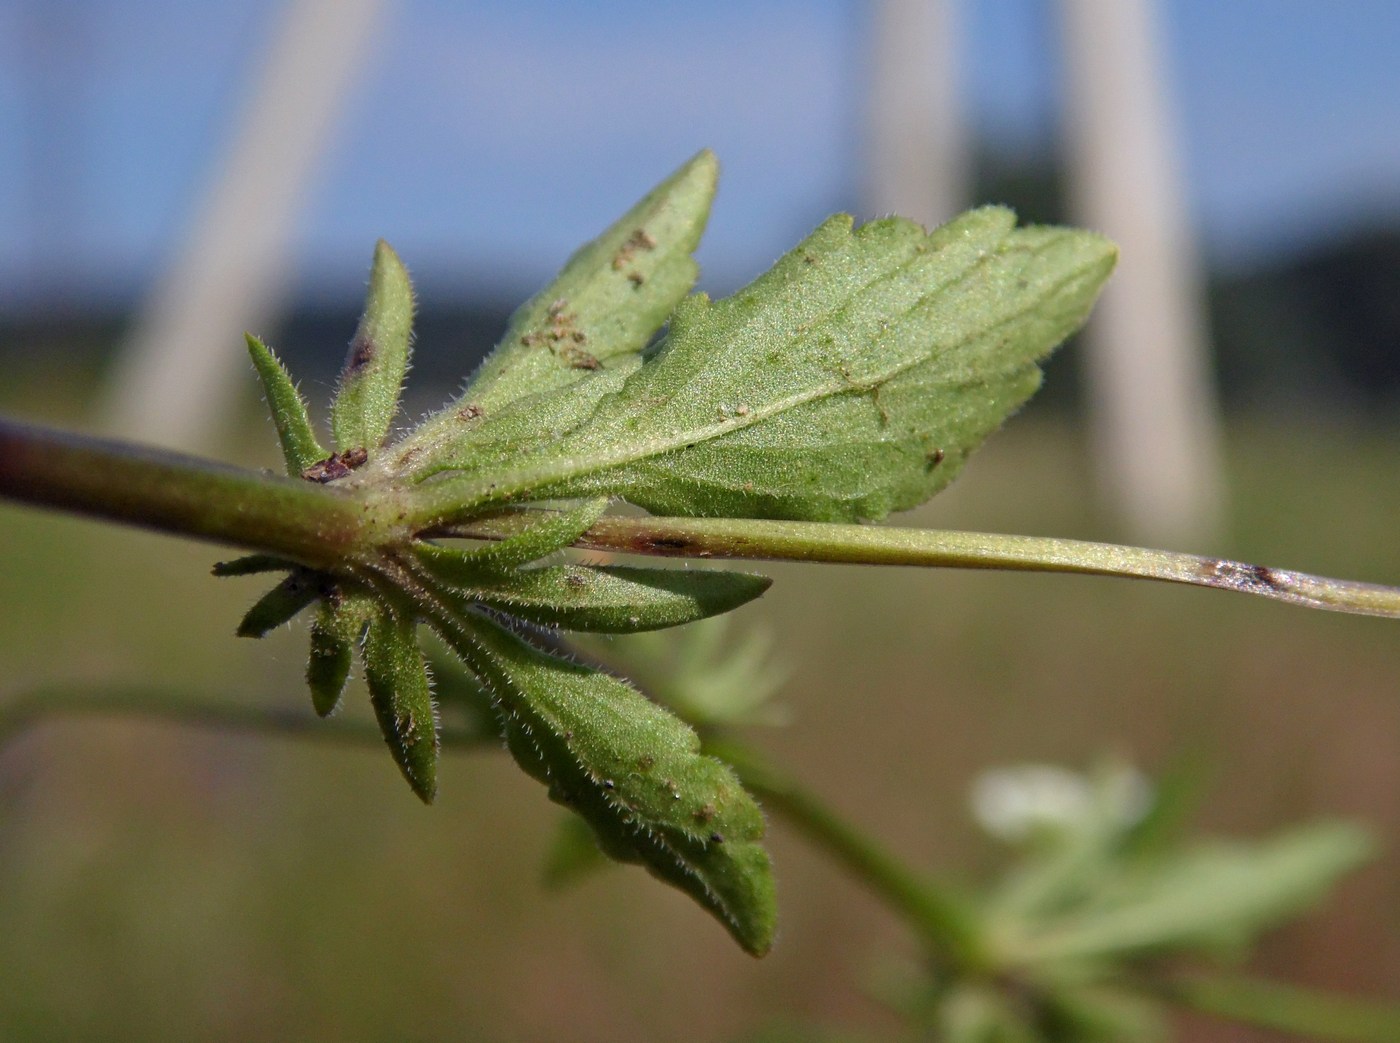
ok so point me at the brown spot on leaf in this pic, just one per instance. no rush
(470, 411)
(641, 239)
(933, 459)
(636, 278)
(705, 813)
(362, 353)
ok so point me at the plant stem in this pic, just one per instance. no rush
(1286, 1008)
(314, 524)
(942, 919)
(19, 714)
(879, 545)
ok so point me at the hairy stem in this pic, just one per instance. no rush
(879, 545)
(314, 524)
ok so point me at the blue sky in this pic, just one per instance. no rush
(486, 140)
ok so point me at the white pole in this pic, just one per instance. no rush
(178, 372)
(1156, 429)
(918, 159)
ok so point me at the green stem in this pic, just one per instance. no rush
(945, 922)
(1286, 1008)
(21, 713)
(314, 524)
(879, 545)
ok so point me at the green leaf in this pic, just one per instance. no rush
(850, 380)
(633, 771)
(611, 297)
(603, 308)
(543, 532)
(1214, 895)
(1290, 1009)
(336, 632)
(402, 698)
(281, 603)
(470, 439)
(368, 395)
(616, 599)
(300, 447)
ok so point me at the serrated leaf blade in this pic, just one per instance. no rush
(368, 393)
(633, 771)
(850, 380)
(609, 299)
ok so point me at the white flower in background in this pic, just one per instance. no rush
(1023, 801)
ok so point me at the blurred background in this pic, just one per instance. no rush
(174, 173)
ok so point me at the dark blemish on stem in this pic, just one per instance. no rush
(662, 544)
(646, 762)
(716, 838)
(705, 813)
(1241, 576)
(636, 278)
(933, 459)
(337, 465)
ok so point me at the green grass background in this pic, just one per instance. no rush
(162, 883)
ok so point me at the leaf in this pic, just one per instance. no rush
(633, 771)
(616, 599)
(1217, 894)
(850, 380)
(1290, 1009)
(402, 698)
(281, 603)
(611, 296)
(543, 533)
(300, 447)
(614, 294)
(337, 631)
(470, 439)
(368, 394)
